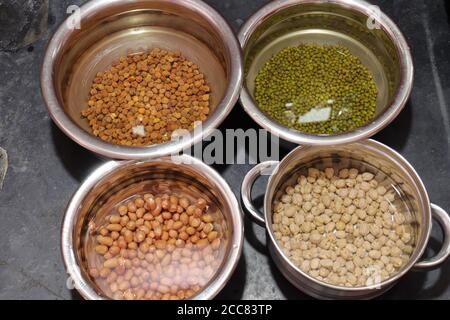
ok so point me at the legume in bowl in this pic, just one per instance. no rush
(152, 230)
(133, 72)
(324, 73)
(346, 221)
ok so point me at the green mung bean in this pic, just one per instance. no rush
(317, 89)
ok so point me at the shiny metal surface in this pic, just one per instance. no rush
(121, 179)
(368, 155)
(113, 28)
(442, 217)
(246, 190)
(384, 51)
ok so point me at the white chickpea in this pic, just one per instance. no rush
(286, 199)
(297, 199)
(329, 173)
(334, 224)
(353, 173)
(305, 266)
(295, 229)
(290, 211)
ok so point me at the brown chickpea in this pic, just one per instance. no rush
(143, 247)
(173, 200)
(158, 231)
(173, 208)
(139, 236)
(190, 210)
(184, 202)
(139, 202)
(107, 241)
(202, 243)
(201, 203)
(173, 233)
(112, 277)
(123, 210)
(208, 228)
(105, 272)
(150, 204)
(124, 285)
(177, 225)
(115, 235)
(139, 222)
(165, 204)
(190, 231)
(111, 263)
(198, 213)
(122, 244)
(131, 225)
(194, 222)
(148, 217)
(114, 250)
(107, 256)
(213, 236)
(124, 220)
(147, 196)
(167, 215)
(157, 210)
(114, 219)
(180, 209)
(101, 249)
(140, 212)
(194, 238)
(114, 227)
(216, 244)
(131, 207)
(207, 218)
(132, 245)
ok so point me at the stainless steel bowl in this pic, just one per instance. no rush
(368, 155)
(110, 29)
(382, 48)
(120, 180)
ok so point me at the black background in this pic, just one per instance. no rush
(46, 167)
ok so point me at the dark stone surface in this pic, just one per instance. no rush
(22, 22)
(46, 167)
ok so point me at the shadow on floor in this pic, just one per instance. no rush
(78, 161)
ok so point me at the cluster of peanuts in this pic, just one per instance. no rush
(344, 229)
(157, 248)
(145, 97)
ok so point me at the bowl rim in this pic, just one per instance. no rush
(230, 260)
(400, 161)
(96, 145)
(393, 109)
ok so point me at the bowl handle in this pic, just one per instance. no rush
(443, 219)
(265, 168)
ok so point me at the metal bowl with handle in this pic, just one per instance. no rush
(368, 155)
